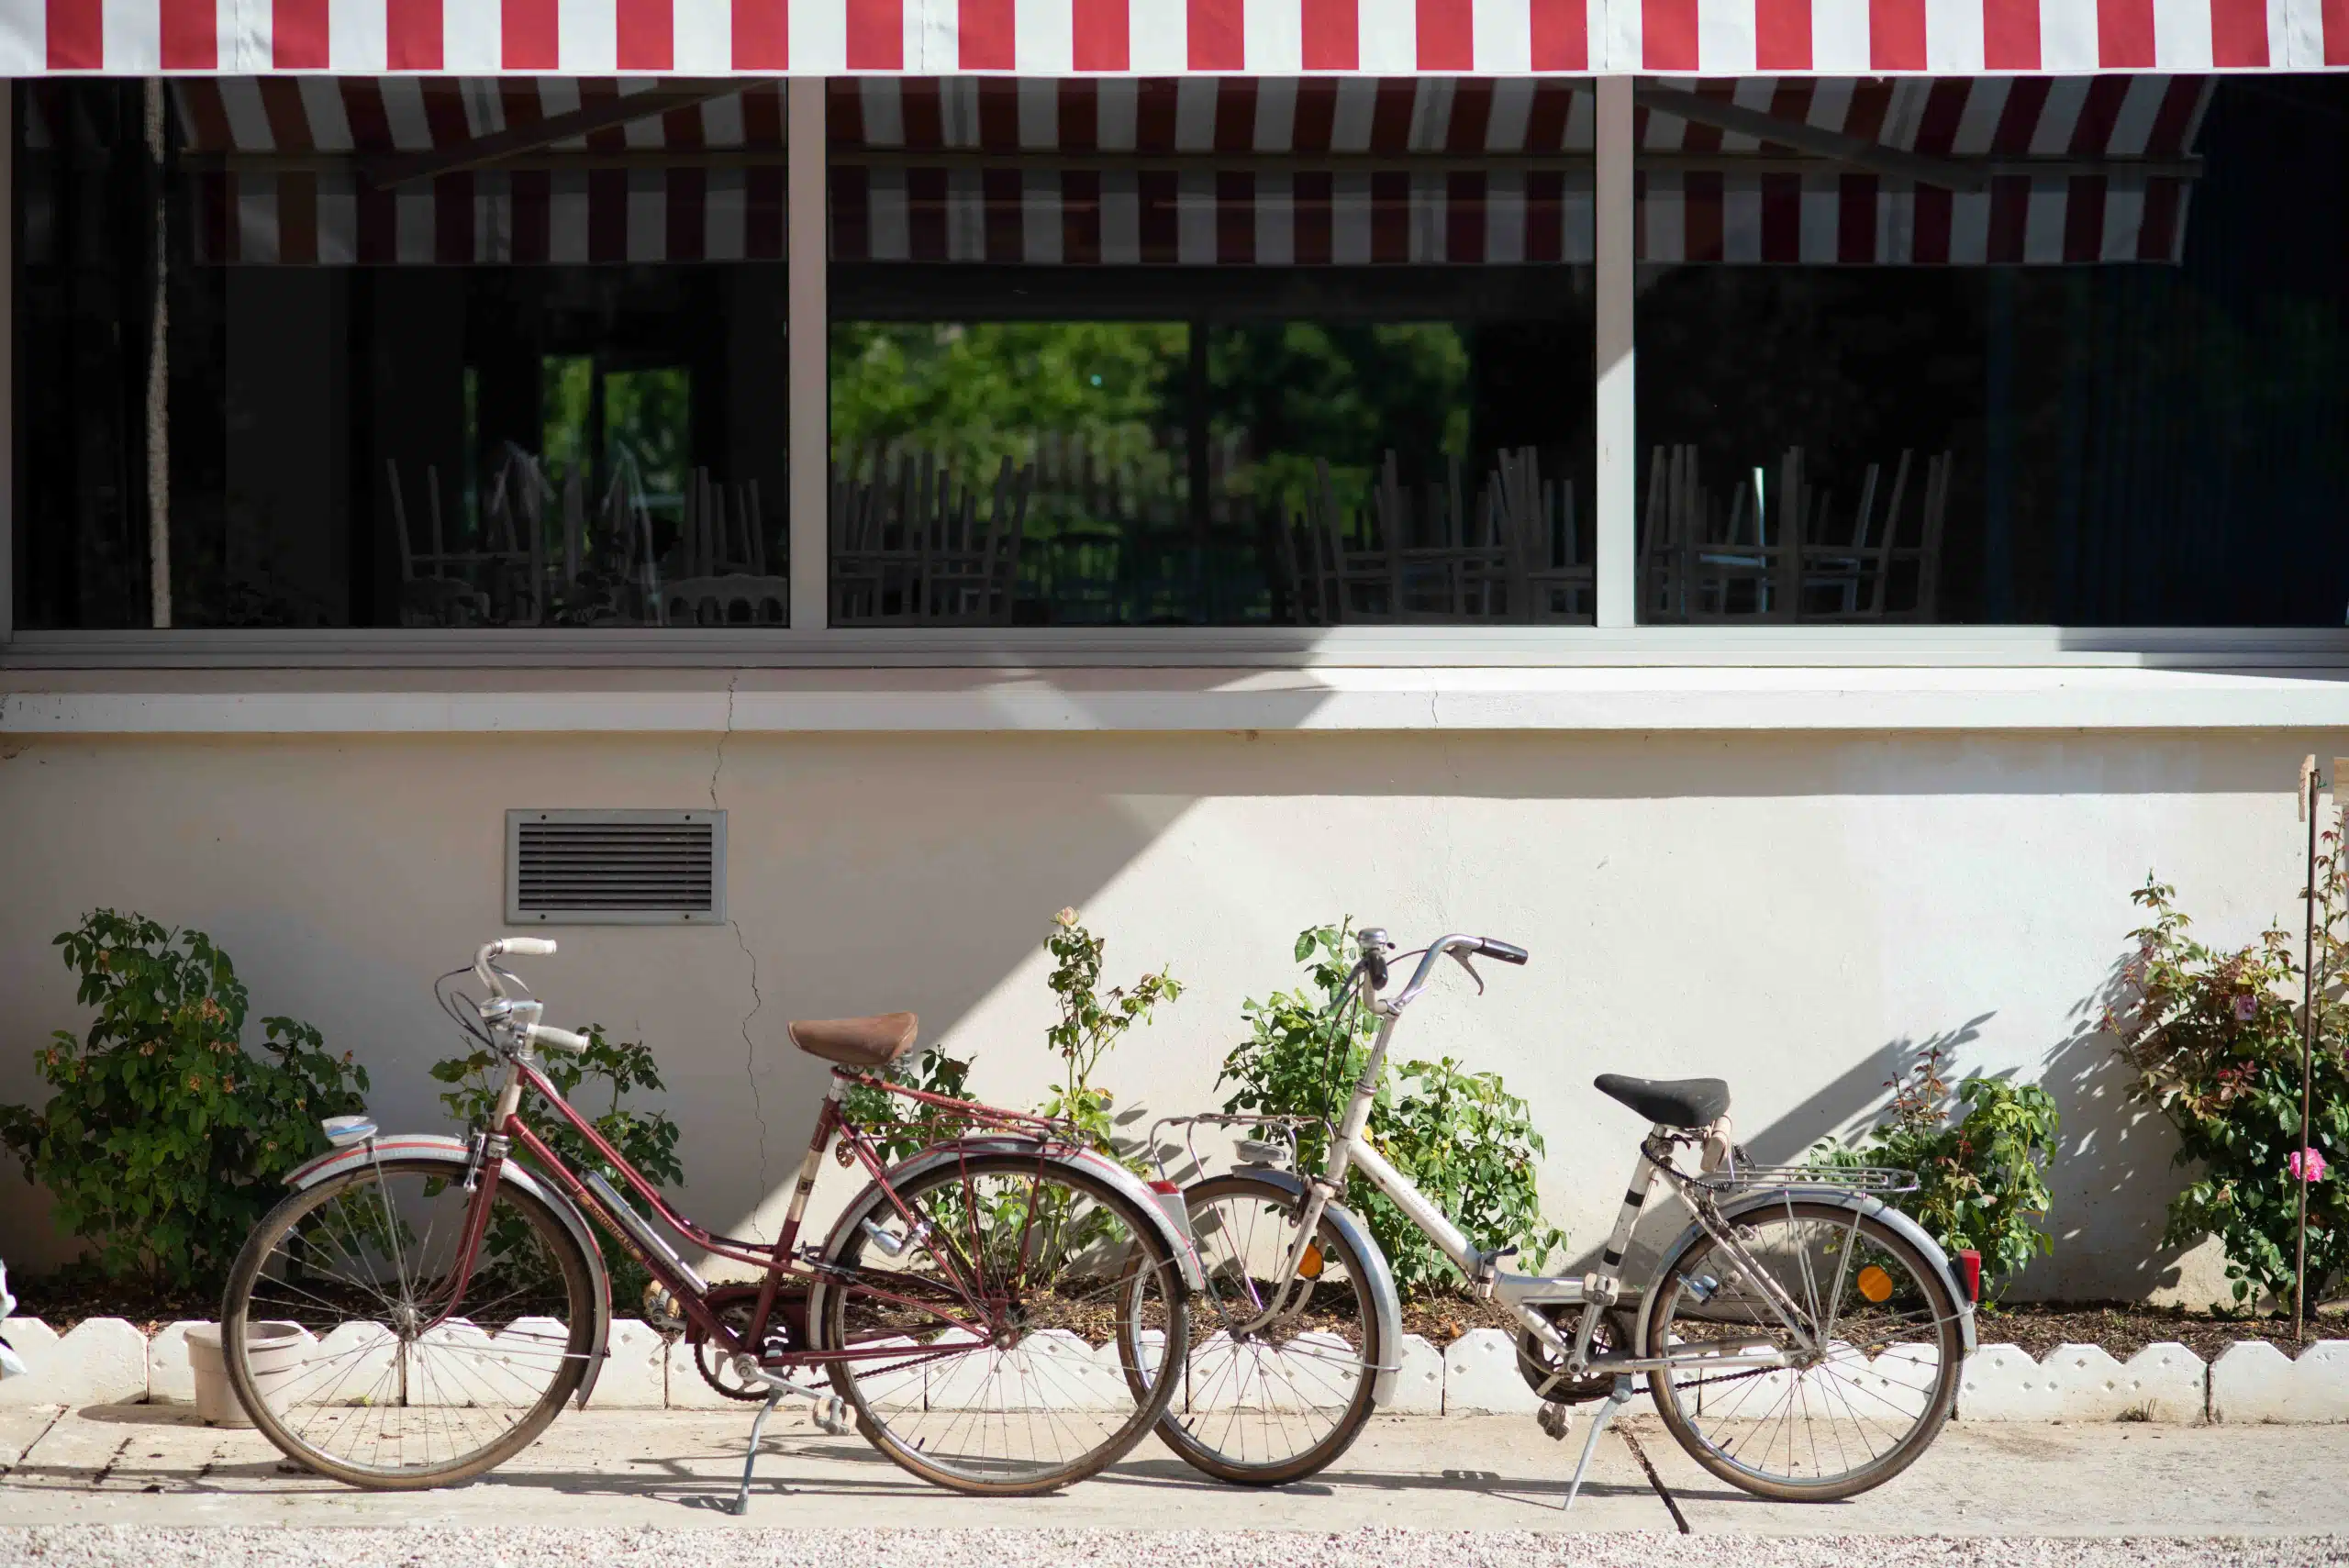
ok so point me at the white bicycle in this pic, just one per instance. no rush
(1801, 1337)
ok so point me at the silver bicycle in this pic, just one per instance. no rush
(1802, 1339)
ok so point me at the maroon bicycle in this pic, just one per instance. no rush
(417, 1309)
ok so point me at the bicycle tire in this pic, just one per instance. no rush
(1207, 1443)
(564, 1369)
(1918, 1309)
(879, 1418)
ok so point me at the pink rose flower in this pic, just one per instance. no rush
(2247, 1007)
(2306, 1164)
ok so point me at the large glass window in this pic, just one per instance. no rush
(2100, 377)
(407, 355)
(1220, 351)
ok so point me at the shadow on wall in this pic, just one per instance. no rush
(1844, 1107)
(2116, 1173)
(2109, 1182)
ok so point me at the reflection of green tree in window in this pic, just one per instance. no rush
(970, 395)
(1345, 393)
(973, 394)
(648, 423)
(633, 425)
(567, 412)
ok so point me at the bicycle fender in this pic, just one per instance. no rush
(435, 1149)
(1862, 1204)
(1385, 1299)
(1128, 1184)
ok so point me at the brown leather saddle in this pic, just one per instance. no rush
(857, 1042)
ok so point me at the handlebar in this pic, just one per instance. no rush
(1458, 942)
(562, 1039)
(523, 947)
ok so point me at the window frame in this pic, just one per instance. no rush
(1614, 639)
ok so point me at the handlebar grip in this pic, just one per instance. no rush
(562, 1039)
(526, 947)
(1506, 952)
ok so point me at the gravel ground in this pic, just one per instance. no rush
(267, 1547)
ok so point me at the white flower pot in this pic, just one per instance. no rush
(276, 1352)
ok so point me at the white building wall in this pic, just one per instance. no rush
(1796, 913)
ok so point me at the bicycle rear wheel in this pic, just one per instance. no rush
(1007, 1305)
(374, 1391)
(1812, 1425)
(1264, 1406)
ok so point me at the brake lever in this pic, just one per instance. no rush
(1459, 957)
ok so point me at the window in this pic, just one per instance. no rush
(2104, 381)
(382, 384)
(1222, 352)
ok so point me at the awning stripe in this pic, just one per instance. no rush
(1172, 38)
(889, 205)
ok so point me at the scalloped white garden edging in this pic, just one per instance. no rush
(105, 1361)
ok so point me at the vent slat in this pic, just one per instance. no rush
(584, 866)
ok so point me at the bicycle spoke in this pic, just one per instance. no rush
(383, 1395)
(1029, 1384)
(1830, 1418)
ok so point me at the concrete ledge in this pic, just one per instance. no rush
(1640, 697)
(106, 1361)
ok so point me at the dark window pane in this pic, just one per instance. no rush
(2110, 388)
(1318, 369)
(524, 396)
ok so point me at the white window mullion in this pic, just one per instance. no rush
(7, 359)
(810, 412)
(1615, 551)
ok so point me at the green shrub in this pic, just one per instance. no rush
(2214, 1041)
(1461, 1137)
(1982, 1177)
(165, 1140)
(647, 1140)
(1091, 1024)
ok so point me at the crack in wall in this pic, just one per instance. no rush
(758, 1000)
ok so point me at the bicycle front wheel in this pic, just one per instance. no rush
(341, 1343)
(996, 1315)
(1268, 1401)
(1845, 1404)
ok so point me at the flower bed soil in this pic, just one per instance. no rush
(2038, 1328)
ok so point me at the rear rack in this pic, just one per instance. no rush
(1740, 1177)
(1279, 1151)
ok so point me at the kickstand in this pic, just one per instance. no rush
(758, 1427)
(1606, 1412)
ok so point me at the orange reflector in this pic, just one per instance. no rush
(1875, 1284)
(1310, 1264)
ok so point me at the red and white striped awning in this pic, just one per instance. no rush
(1169, 38)
(932, 171)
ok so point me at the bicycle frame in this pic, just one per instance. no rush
(1350, 1149)
(778, 1262)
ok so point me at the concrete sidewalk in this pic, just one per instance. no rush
(154, 1465)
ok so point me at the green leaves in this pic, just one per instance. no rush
(1091, 1023)
(1982, 1181)
(163, 1140)
(1461, 1137)
(2214, 1041)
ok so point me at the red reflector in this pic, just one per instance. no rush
(1969, 1268)
(1165, 1187)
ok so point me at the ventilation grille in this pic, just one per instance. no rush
(615, 868)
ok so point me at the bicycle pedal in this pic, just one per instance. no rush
(1557, 1420)
(833, 1415)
